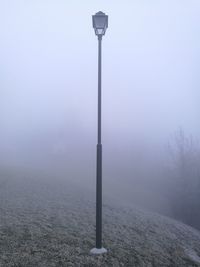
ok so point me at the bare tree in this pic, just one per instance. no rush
(185, 172)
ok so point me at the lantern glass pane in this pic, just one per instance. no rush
(100, 22)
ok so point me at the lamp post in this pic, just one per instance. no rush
(100, 24)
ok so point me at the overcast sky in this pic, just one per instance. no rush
(151, 62)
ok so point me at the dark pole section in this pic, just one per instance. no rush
(99, 159)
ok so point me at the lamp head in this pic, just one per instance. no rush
(100, 23)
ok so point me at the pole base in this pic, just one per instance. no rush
(98, 251)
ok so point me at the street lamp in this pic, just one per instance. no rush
(100, 24)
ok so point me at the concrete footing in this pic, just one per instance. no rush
(98, 251)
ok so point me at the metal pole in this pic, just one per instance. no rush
(99, 159)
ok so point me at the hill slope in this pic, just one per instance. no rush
(53, 224)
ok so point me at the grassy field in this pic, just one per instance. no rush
(47, 223)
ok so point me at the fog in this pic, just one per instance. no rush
(48, 93)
